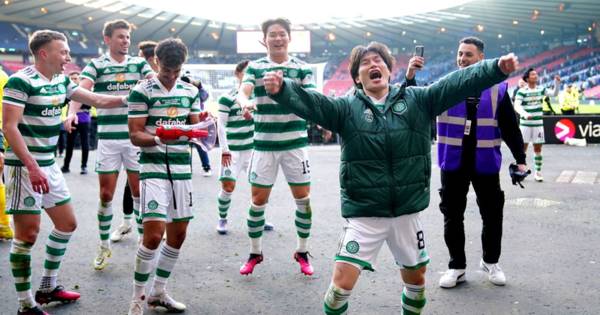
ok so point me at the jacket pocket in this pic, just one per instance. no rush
(346, 178)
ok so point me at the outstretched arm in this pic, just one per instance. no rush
(98, 100)
(74, 106)
(307, 103)
(458, 85)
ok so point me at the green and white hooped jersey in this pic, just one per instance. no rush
(240, 131)
(532, 102)
(150, 99)
(41, 100)
(113, 78)
(276, 128)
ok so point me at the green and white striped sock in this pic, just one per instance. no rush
(537, 159)
(224, 200)
(20, 264)
(413, 299)
(144, 264)
(138, 218)
(256, 226)
(336, 300)
(105, 215)
(166, 262)
(303, 223)
(55, 250)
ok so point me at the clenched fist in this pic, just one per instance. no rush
(508, 63)
(273, 81)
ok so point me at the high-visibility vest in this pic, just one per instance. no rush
(570, 101)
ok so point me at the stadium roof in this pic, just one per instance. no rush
(435, 24)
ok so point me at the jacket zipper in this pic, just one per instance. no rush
(388, 152)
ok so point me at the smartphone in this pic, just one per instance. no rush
(419, 50)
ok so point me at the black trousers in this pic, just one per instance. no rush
(127, 199)
(83, 130)
(490, 199)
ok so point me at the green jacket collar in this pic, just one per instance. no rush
(396, 93)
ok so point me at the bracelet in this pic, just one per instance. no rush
(157, 140)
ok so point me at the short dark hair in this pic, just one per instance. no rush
(42, 37)
(472, 40)
(111, 26)
(360, 51)
(147, 48)
(526, 74)
(241, 66)
(281, 21)
(171, 52)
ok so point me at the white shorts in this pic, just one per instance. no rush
(264, 166)
(157, 202)
(20, 197)
(240, 160)
(362, 239)
(112, 154)
(533, 134)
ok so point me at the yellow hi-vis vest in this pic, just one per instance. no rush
(570, 101)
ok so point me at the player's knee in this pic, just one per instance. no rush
(415, 277)
(260, 200)
(176, 239)
(152, 239)
(228, 186)
(67, 226)
(106, 195)
(345, 276)
(301, 192)
(29, 234)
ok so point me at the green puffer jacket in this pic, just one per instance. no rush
(385, 166)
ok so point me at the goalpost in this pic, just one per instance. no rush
(218, 79)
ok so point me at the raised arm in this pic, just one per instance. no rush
(309, 104)
(458, 85)
(556, 89)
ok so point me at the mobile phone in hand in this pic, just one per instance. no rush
(419, 50)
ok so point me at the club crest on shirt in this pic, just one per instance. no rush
(399, 108)
(185, 102)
